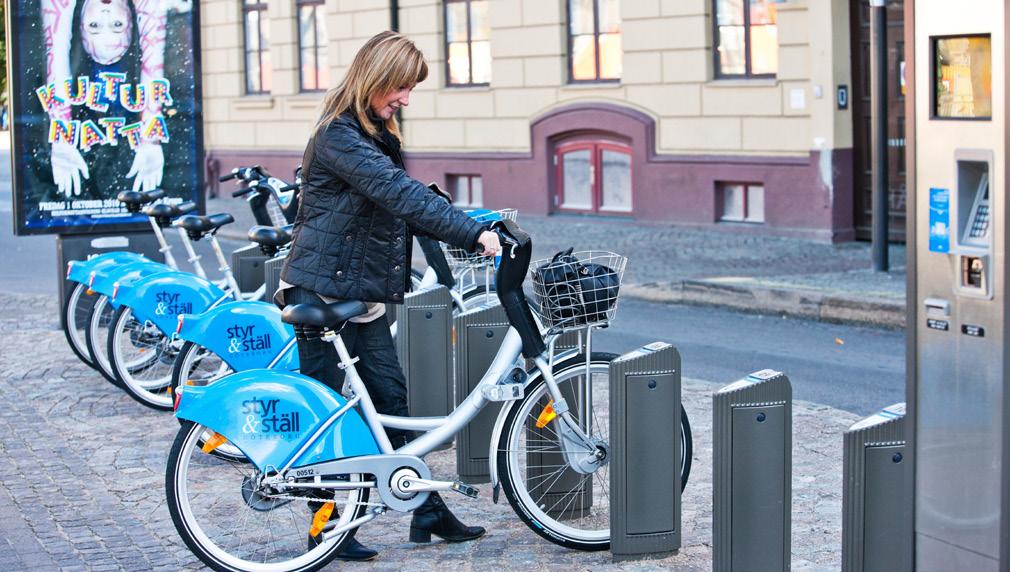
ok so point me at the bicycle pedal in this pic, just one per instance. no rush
(505, 392)
(464, 489)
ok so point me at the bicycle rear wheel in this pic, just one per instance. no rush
(142, 359)
(231, 525)
(74, 319)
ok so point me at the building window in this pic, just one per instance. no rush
(313, 68)
(593, 177)
(594, 40)
(746, 38)
(741, 202)
(467, 42)
(257, 46)
(467, 190)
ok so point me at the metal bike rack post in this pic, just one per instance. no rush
(478, 335)
(424, 347)
(751, 474)
(82, 247)
(877, 495)
(645, 448)
(272, 274)
(247, 266)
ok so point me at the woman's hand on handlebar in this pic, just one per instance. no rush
(490, 243)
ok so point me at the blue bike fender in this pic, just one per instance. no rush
(80, 270)
(160, 298)
(104, 280)
(271, 414)
(246, 335)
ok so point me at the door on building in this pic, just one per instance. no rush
(593, 177)
(861, 108)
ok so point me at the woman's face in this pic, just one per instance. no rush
(384, 106)
(106, 29)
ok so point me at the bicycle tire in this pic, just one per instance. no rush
(69, 315)
(124, 373)
(98, 340)
(191, 531)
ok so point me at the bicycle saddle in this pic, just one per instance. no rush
(197, 226)
(134, 199)
(163, 214)
(321, 315)
(269, 236)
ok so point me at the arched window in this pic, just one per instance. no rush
(593, 177)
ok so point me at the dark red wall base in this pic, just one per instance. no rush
(674, 189)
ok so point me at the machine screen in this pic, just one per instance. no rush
(962, 77)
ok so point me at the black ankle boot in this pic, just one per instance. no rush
(433, 517)
(353, 551)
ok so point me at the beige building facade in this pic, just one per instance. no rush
(716, 113)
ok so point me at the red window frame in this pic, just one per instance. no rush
(746, 186)
(596, 149)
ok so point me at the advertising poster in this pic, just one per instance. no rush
(105, 97)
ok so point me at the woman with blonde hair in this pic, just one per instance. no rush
(353, 235)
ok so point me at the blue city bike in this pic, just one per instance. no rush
(238, 336)
(293, 441)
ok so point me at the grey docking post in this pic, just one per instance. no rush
(877, 495)
(645, 438)
(272, 275)
(479, 334)
(247, 266)
(752, 474)
(423, 346)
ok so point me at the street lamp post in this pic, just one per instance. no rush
(878, 121)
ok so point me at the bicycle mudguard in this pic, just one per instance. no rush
(270, 414)
(160, 298)
(246, 335)
(80, 270)
(104, 280)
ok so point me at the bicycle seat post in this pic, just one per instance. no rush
(225, 268)
(165, 248)
(194, 258)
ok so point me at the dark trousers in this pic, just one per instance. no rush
(378, 366)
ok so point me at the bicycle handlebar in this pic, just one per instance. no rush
(244, 191)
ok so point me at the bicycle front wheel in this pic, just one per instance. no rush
(232, 525)
(97, 337)
(142, 359)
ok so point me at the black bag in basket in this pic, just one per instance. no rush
(576, 293)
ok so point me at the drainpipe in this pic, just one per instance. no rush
(394, 15)
(878, 122)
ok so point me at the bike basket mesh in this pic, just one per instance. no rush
(578, 289)
(459, 258)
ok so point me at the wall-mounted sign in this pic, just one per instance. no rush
(105, 97)
(843, 97)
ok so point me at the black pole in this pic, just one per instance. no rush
(878, 119)
(394, 15)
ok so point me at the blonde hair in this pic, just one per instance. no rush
(387, 62)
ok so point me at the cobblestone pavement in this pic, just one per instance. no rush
(82, 468)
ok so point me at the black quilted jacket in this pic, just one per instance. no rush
(353, 231)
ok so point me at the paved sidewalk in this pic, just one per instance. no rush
(82, 478)
(733, 266)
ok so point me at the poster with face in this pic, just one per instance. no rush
(105, 98)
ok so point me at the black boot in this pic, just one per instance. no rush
(433, 517)
(353, 551)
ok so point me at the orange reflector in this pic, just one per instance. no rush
(169, 389)
(215, 441)
(547, 415)
(178, 325)
(115, 290)
(89, 292)
(320, 519)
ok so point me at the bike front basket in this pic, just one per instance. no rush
(459, 258)
(577, 290)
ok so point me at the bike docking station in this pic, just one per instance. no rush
(957, 368)
(877, 494)
(645, 504)
(272, 275)
(424, 348)
(477, 336)
(752, 474)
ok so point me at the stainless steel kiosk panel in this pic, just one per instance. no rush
(478, 334)
(424, 348)
(247, 265)
(877, 495)
(645, 448)
(751, 474)
(958, 369)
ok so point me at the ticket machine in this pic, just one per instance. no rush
(958, 361)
